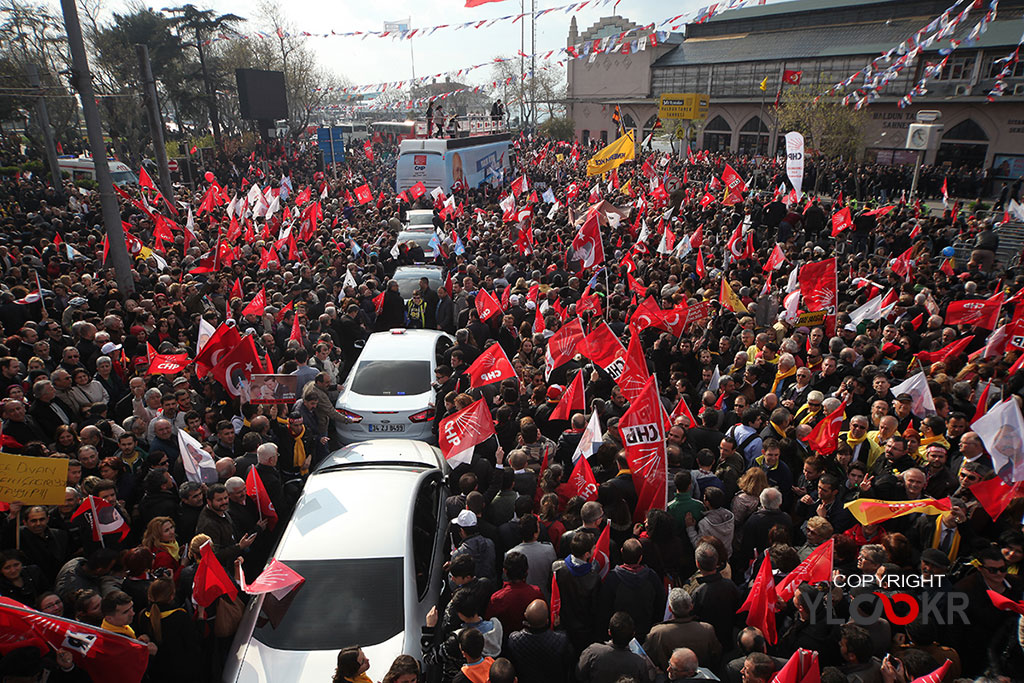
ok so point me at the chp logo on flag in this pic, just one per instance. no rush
(638, 435)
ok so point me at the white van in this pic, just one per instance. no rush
(84, 167)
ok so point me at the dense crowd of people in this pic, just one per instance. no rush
(746, 484)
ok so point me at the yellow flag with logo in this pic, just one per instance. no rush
(764, 84)
(729, 299)
(613, 155)
(874, 511)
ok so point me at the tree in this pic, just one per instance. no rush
(829, 128)
(195, 26)
(516, 90)
(558, 128)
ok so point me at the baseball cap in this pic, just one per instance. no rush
(554, 392)
(466, 519)
(905, 398)
(850, 327)
(110, 347)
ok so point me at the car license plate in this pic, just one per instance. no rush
(386, 428)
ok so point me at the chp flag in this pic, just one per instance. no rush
(460, 433)
(819, 286)
(491, 366)
(795, 160)
(642, 428)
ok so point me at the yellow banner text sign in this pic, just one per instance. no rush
(613, 155)
(32, 481)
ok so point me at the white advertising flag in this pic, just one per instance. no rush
(795, 160)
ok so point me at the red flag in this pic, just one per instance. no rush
(364, 194)
(602, 550)
(224, 339)
(647, 314)
(257, 305)
(978, 312)
(284, 310)
(238, 365)
(296, 333)
(520, 185)
(760, 602)
(643, 435)
(102, 517)
(254, 489)
(824, 438)
(490, 366)
(573, 399)
(946, 352)
(582, 480)
(995, 495)
(145, 180)
(817, 567)
(538, 321)
(792, 77)
(211, 581)
(605, 349)
(458, 434)
(841, 220)
(1004, 603)
(556, 596)
(702, 271)
(776, 259)
(417, 191)
(818, 287)
(634, 374)
(486, 304)
(563, 345)
(733, 180)
(368, 150)
(939, 674)
(276, 578)
(682, 410)
(167, 363)
(103, 655)
(587, 244)
(802, 667)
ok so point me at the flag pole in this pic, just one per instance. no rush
(96, 521)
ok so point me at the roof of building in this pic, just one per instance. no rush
(789, 6)
(868, 38)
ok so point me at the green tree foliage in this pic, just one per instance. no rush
(558, 128)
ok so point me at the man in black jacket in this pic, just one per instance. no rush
(160, 498)
(539, 654)
(215, 522)
(47, 410)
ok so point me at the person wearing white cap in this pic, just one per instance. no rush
(472, 543)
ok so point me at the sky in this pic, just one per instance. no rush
(376, 60)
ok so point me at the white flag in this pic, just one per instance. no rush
(548, 196)
(198, 463)
(206, 330)
(921, 396)
(716, 377)
(591, 439)
(350, 280)
(872, 310)
(1001, 429)
(795, 160)
(554, 210)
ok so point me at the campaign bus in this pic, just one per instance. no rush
(443, 162)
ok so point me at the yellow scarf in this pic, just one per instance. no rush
(123, 630)
(928, 440)
(299, 454)
(172, 549)
(164, 613)
(361, 678)
(954, 545)
(780, 375)
(780, 432)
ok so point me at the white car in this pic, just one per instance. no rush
(419, 220)
(367, 535)
(388, 394)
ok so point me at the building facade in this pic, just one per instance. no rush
(730, 55)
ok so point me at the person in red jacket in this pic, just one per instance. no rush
(509, 603)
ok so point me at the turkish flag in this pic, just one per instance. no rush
(278, 578)
(486, 304)
(643, 435)
(634, 370)
(605, 349)
(458, 434)
(257, 305)
(647, 314)
(817, 567)
(364, 194)
(582, 480)
(520, 185)
(776, 259)
(224, 339)
(602, 550)
(587, 244)
(562, 345)
(574, 399)
(417, 191)
(792, 77)
(824, 438)
(255, 489)
(490, 366)
(238, 365)
(995, 495)
(841, 220)
(760, 602)
(211, 581)
(978, 312)
(103, 655)
(733, 180)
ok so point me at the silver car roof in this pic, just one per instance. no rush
(405, 345)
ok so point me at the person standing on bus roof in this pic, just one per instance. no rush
(430, 118)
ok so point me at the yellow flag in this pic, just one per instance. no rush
(730, 300)
(613, 155)
(626, 188)
(764, 84)
(873, 511)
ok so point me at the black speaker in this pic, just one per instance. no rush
(261, 95)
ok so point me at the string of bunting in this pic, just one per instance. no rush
(1008, 62)
(401, 31)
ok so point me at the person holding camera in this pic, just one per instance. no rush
(324, 411)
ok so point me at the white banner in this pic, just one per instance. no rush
(795, 160)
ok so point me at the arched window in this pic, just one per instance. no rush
(967, 129)
(628, 123)
(718, 124)
(753, 137)
(718, 135)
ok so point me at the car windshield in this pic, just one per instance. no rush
(341, 601)
(123, 177)
(410, 282)
(392, 378)
(421, 219)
